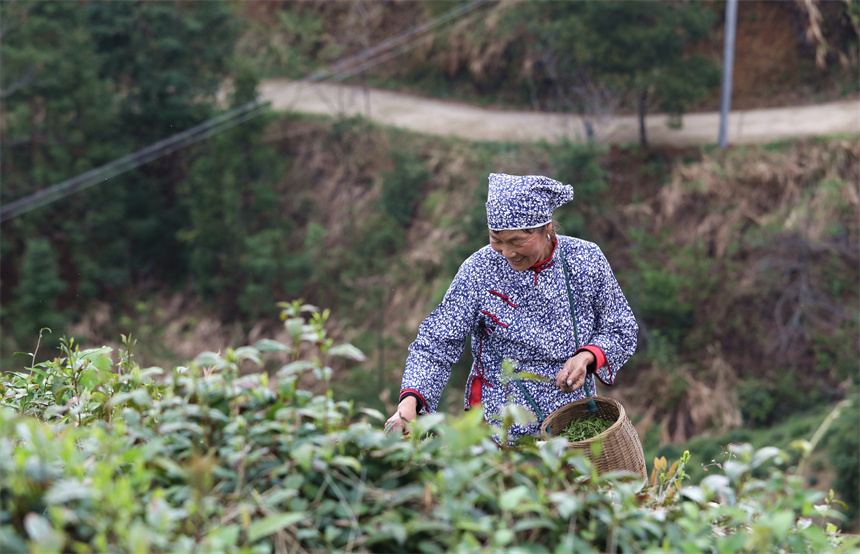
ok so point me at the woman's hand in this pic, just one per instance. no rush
(572, 375)
(407, 410)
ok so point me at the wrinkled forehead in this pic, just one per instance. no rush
(512, 234)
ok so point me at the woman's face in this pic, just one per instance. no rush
(520, 248)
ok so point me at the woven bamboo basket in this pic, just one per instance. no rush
(621, 449)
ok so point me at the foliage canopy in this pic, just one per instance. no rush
(102, 457)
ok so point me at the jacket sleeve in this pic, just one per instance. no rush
(442, 338)
(615, 327)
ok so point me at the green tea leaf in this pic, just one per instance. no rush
(65, 490)
(521, 415)
(272, 524)
(511, 498)
(146, 374)
(348, 351)
(295, 367)
(269, 345)
(209, 359)
(295, 326)
(581, 429)
(532, 376)
(42, 533)
(503, 537)
(248, 353)
(347, 461)
(100, 357)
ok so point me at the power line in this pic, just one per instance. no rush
(384, 57)
(406, 41)
(390, 43)
(136, 159)
(348, 67)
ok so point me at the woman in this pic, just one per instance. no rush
(514, 298)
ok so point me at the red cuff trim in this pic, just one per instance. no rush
(599, 356)
(405, 392)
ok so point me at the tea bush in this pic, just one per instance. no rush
(98, 456)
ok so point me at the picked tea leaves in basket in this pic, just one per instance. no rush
(582, 429)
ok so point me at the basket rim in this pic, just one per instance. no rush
(612, 428)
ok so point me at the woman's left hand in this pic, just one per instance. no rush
(572, 375)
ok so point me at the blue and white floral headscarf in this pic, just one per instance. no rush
(523, 202)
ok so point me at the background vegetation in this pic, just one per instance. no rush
(741, 265)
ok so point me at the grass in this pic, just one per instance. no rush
(708, 450)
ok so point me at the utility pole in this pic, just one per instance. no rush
(728, 66)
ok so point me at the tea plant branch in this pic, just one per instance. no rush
(38, 343)
(240, 474)
(495, 468)
(727, 455)
(318, 498)
(362, 483)
(126, 355)
(349, 511)
(808, 447)
(667, 482)
(287, 540)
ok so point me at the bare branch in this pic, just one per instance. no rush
(22, 82)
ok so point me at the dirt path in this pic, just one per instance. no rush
(436, 117)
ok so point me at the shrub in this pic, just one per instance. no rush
(212, 459)
(843, 442)
(401, 186)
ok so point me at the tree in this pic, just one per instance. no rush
(165, 62)
(83, 84)
(57, 110)
(39, 288)
(58, 118)
(239, 243)
(642, 47)
(594, 51)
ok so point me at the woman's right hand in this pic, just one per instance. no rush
(572, 376)
(407, 410)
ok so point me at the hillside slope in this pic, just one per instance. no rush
(741, 265)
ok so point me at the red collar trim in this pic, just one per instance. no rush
(547, 263)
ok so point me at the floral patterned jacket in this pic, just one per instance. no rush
(523, 316)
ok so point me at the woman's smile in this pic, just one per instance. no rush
(522, 249)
